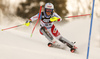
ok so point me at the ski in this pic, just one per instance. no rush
(57, 45)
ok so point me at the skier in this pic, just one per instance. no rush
(48, 29)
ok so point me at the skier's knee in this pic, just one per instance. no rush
(40, 32)
(42, 29)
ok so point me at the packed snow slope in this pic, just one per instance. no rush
(16, 44)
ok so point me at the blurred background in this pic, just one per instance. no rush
(27, 8)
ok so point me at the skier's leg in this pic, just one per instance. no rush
(68, 43)
(46, 33)
(57, 35)
(65, 41)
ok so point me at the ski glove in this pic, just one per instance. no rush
(54, 19)
(28, 22)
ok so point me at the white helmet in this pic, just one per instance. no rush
(49, 8)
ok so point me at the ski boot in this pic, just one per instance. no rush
(50, 45)
(53, 44)
(73, 49)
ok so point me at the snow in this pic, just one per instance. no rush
(17, 43)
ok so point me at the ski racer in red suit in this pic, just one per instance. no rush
(48, 29)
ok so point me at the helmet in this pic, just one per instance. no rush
(49, 7)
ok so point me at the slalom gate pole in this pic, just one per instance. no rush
(90, 30)
(11, 27)
(37, 20)
(77, 16)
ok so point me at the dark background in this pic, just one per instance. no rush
(26, 11)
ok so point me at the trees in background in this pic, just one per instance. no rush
(31, 7)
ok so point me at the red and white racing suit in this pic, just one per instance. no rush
(50, 27)
(45, 22)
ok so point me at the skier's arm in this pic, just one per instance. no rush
(55, 17)
(59, 18)
(33, 18)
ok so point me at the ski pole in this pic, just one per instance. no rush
(12, 27)
(77, 16)
(37, 21)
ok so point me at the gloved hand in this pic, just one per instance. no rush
(27, 23)
(53, 19)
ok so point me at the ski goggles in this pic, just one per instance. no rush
(49, 10)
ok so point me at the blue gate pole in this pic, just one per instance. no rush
(90, 30)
